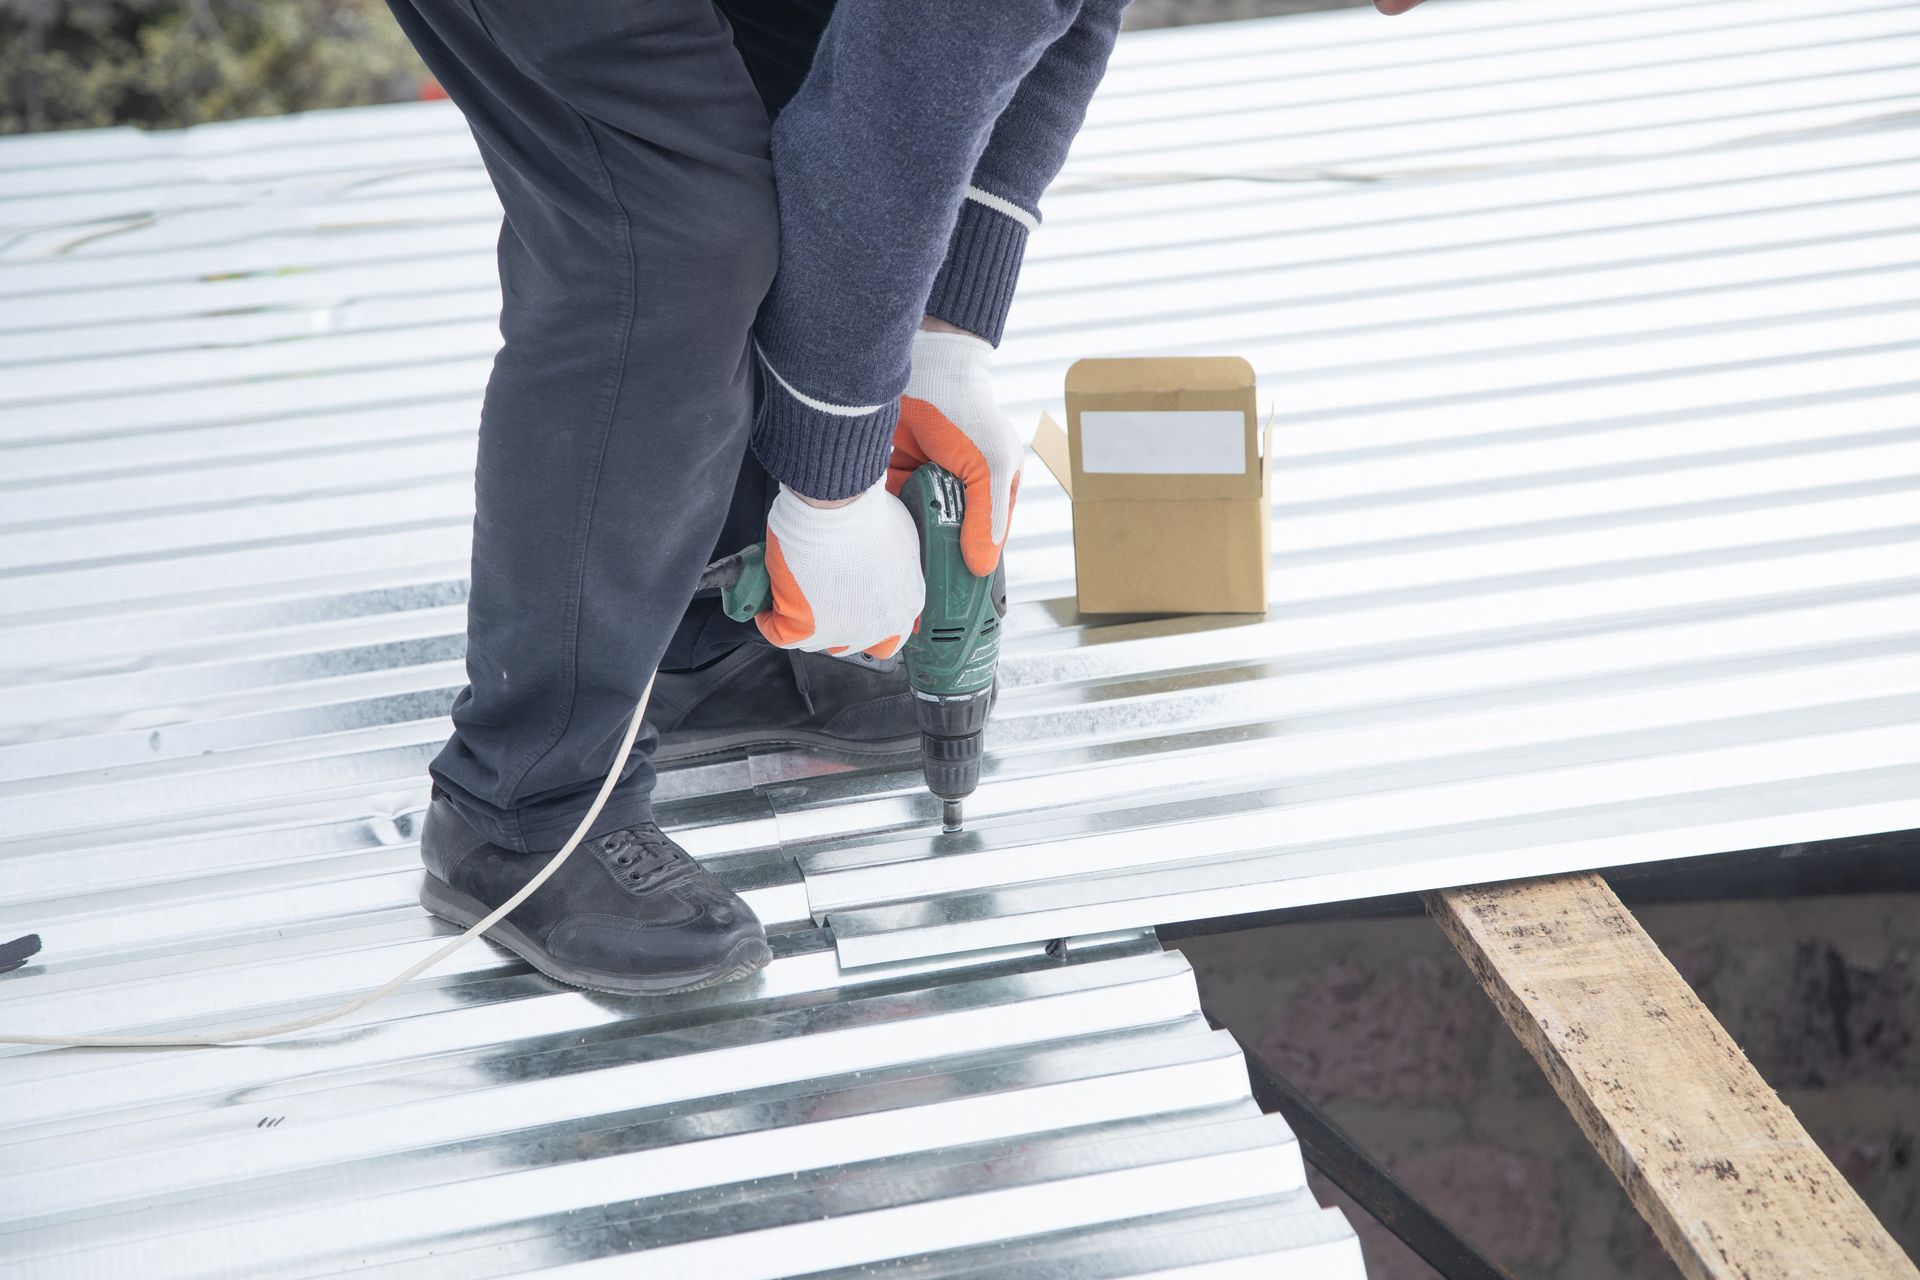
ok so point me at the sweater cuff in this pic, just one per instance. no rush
(975, 286)
(823, 450)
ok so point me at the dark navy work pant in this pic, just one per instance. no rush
(628, 142)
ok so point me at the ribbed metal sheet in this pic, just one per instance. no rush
(1592, 337)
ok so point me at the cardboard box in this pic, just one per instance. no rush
(1165, 463)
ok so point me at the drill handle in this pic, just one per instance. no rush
(746, 591)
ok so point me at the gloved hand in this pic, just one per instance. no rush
(844, 577)
(948, 415)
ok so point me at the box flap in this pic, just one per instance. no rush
(1050, 445)
(1162, 428)
(1266, 451)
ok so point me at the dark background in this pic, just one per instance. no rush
(75, 64)
(1380, 1022)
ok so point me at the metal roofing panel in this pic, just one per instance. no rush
(1592, 342)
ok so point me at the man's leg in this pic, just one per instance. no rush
(776, 40)
(704, 631)
(629, 149)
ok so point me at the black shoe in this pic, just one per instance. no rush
(628, 912)
(758, 695)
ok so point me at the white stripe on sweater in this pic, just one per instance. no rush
(819, 406)
(1002, 205)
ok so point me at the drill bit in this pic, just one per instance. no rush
(949, 815)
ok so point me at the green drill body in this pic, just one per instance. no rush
(952, 656)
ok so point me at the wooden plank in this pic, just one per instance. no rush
(1707, 1152)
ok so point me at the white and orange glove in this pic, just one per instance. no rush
(845, 578)
(949, 415)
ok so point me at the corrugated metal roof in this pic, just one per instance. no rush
(1592, 341)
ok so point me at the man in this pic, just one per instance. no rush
(650, 283)
(691, 365)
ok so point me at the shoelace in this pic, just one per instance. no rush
(644, 861)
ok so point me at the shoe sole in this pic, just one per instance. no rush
(748, 956)
(716, 744)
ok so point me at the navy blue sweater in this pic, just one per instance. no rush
(908, 169)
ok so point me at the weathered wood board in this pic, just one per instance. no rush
(1722, 1170)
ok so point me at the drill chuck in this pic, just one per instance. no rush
(952, 765)
(952, 737)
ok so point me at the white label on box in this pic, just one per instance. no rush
(1196, 442)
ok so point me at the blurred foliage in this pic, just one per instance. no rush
(76, 63)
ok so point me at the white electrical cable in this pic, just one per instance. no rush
(181, 1040)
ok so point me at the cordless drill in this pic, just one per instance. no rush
(953, 653)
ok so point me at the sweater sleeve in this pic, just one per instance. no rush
(1027, 149)
(871, 160)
